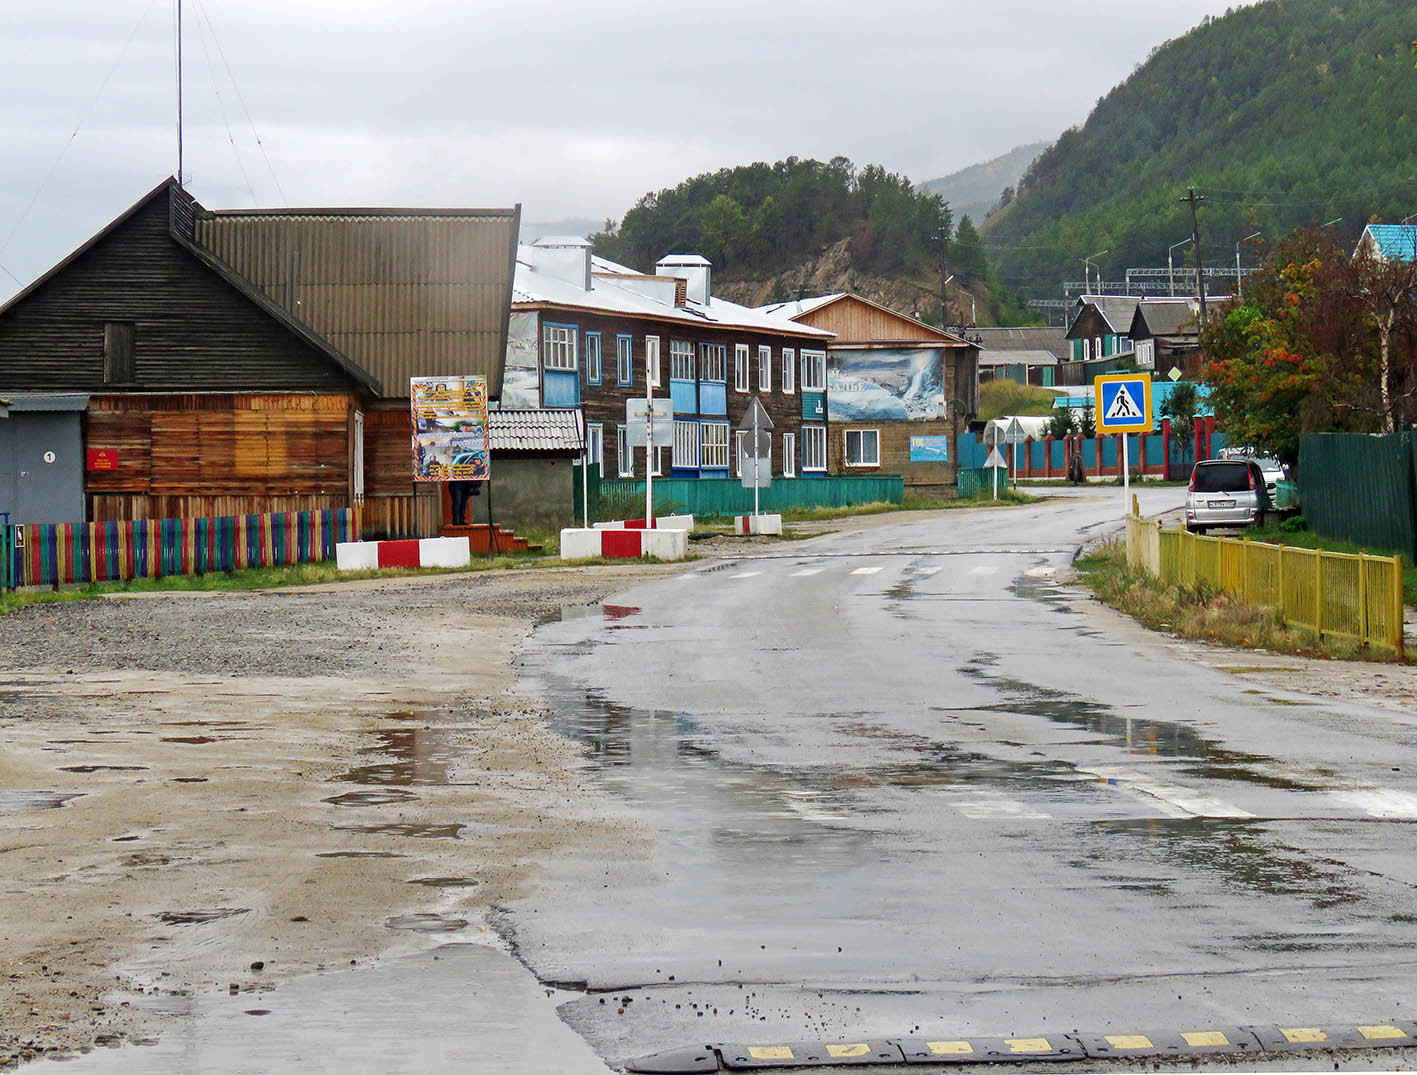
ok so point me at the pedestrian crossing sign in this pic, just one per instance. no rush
(1122, 403)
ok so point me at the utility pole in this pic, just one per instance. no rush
(1196, 238)
(942, 236)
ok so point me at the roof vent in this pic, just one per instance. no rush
(694, 270)
(564, 257)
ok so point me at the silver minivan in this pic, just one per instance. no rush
(1226, 492)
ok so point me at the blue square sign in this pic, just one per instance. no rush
(1122, 403)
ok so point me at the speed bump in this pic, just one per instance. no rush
(738, 1057)
(677, 1062)
(1170, 1043)
(1280, 1039)
(990, 1050)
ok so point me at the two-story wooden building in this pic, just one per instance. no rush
(586, 333)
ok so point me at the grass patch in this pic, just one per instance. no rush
(999, 399)
(1203, 612)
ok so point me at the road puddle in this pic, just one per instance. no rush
(103, 769)
(200, 916)
(359, 855)
(407, 757)
(419, 830)
(426, 923)
(14, 801)
(443, 882)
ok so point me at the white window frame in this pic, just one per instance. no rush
(814, 444)
(740, 367)
(789, 370)
(814, 371)
(862, 437)
(624, 359)
(765, 369)
(652, 360)
(1097, 347)
(595, 444)
(658, 461)
(593, 366)
(624, 454)
(558, 347)
(789, 455)
(681, 360)
(739, 436)
(1146, 353)
(1086, 350)
(686, 445)
(713, 362)
(713, 446)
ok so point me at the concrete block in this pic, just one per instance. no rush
(357, 555)
(444, 552)
(578, 543)
(665, 544)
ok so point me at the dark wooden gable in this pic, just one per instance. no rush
(1088, 324)
(191, 327)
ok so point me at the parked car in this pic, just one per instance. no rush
(1274, 471)
(1226, 492)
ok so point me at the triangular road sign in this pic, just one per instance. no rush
(996, 459)
(756, 415)
(1124, 408)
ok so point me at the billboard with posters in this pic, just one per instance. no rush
(450, 429)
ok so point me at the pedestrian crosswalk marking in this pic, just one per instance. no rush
(1380, 802)
(806, 571)
(931, 571)
(746, 575)
(1124, 408)
(866, 570)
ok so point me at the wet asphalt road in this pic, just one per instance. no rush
(901, 782)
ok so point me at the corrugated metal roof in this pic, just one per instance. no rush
(1166, 317)
(402, 292)
(1116, 310)
(1392, 242)
(610, 296)
(1053, 340)
(539, 430)
(1017, 358)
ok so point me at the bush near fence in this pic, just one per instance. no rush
(51, 554)
(1356, 597)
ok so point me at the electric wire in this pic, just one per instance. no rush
(221, 107)
(74, 134)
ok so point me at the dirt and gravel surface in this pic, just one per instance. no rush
(222, 791)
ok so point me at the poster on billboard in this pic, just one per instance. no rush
(886, 384)
(450, 429)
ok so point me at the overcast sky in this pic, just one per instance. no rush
(574, 110)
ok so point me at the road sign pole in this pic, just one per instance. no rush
(756, 474)
(1126, 473)
(649, 446)
(995, 472)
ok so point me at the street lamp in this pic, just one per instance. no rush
(1086, 276)
(1239, 284)
(1170, 265)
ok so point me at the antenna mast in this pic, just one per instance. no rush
(179, 93)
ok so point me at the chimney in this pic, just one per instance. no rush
(692, 269)
(564, 257)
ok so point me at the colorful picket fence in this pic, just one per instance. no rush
(50, 554)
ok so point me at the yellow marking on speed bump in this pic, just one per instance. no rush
(950, 1048)
(771, 1052)
(1028, 1045)
(1381, 1033)
(859, 1049)
(1304, 1033)
(1129, 1041)
(1198, 1038)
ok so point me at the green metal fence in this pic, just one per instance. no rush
(726, 496)
(1361, 489)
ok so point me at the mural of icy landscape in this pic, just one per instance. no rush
(885, 385)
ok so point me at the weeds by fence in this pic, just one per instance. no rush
(1352, 596)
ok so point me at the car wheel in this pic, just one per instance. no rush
(1196, 529)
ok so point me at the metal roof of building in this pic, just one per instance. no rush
(799, 307)
(1031, 338)
(1017, 358)
(1116, 310)
(402, 292)
(541, 430)
(1392, 242)
(1166, 317)
(607, 295)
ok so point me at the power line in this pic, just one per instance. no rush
(221, 107)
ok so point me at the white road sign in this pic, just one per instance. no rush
(636, 422)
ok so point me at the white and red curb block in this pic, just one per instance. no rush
(415, 552)
(626, 544)
(745, 525)
(662, 522)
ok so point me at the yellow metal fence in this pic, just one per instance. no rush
(1358, 597)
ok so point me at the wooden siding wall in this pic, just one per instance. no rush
(186, 456)
(859, 322)
(895, 453)
(194, 332)
(395, 506)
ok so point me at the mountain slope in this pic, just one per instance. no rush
(1282, 114)
(973, 191)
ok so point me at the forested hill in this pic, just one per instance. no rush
(761, 219)
(1282, 114)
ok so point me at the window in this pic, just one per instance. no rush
(863, 447)
(558, 347)
(740, 367)
(595, 445)
(1145, 356)
(789, 370)
(742, 463)
(658, 458)
(814, 371)
(765, 371)
(1123, 344)
(714, 449)
(789, 455)
(592, 358)
(681, 361)
(624, 360)
(652, 359)
(713, 362)
(814, 447)
(686, 445)
(1097, 346)
(738, 463)
(624, 454)
(119, 365)
(1086, 350)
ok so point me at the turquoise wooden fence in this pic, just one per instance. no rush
(726, 496)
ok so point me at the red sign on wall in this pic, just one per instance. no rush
(103, 458)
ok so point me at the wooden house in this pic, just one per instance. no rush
(1100, 327)
(586, 333)
(899, 391)
(255, 361)
(1166, 335)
